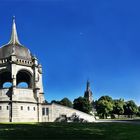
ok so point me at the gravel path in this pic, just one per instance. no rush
(120, 121)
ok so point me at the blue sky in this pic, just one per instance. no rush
(76, 40)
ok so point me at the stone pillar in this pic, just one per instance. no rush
(39, 118)
(13, 72)
(40, 84)
(13, 76)
(35, 68)
(38, 87)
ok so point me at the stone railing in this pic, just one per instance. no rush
(18, 61)
(4, 94)
(24, 62)
(3, 61)
(3, 91)
(20, 94)
(23, 94)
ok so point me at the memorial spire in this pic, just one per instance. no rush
(14, 36)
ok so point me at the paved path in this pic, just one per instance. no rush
(119, 121)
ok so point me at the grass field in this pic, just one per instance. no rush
(70, 131)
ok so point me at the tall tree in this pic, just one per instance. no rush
(82, 104)
(107, 98)
(54, 101)
(66, 102)
(104, 106)
(130, 108)
(118, 107)
(138, 113)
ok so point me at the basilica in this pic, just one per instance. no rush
(26, 103)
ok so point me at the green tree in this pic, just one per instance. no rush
(104, 106)
(54, 101)
(138, 113)
(118, 107)
(66, 102)
(107, 98)
(130, 108)
(82, 104)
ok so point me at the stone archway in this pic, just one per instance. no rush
(23, 78)
(5, 77)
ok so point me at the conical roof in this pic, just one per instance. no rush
(14, 47)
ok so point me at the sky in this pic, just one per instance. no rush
(80, 40)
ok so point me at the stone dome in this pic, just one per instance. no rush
(14, 47)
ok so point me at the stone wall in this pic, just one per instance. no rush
(24, 112)
(21, 112)
(56, 111)
(4, 112)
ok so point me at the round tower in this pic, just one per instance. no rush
(21, 88)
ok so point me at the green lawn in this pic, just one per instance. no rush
(70, 131)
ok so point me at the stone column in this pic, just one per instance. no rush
(39, 118)
(13, 76)
(35, 68)
(13, 72)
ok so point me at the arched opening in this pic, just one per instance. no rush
(23, 85)
(7, 85)
(5, 79)
(24, 79)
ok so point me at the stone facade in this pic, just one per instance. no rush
(26, 104)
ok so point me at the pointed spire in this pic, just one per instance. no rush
(14, 37)
(88, 85)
